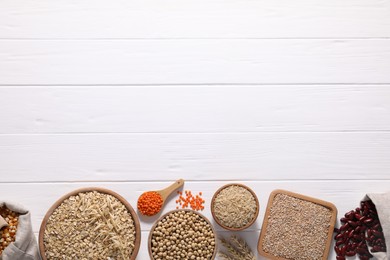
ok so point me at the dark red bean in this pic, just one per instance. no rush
(361, 251)
(353, 223)
(358, 216)
(376, 233)
(339, 236)
(377, 227)
(368, 221)
(350, 253)
(353, 246)
(380, 240)
(343, 220)
(349, 215)
(356, 238)
(337, 250)
(344, 227)
(340, 257)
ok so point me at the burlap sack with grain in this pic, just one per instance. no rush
(382, 204)
(25, 246)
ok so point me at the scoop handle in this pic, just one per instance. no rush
(168, 190)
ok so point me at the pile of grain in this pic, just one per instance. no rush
(234, 206)
(296, 229)
(182, 234)
(8, 233)
(90, 225)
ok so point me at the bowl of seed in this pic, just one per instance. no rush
(235, 207)
(90, 223)
(296, 227)
(182, 234)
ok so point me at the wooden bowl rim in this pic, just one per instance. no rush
(249, 223)
(137, 225)
(178, 210)
(323, 203)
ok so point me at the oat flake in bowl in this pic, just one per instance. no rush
(235, 207)
(91, 223)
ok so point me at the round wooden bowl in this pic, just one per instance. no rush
(83, 190)
(177, 210)
(232, 228)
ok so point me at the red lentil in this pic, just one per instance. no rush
(190, 201)
(150, 203)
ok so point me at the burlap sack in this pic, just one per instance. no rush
(25, 246)
(382, 204)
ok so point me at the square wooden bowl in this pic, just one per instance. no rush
(325, 204)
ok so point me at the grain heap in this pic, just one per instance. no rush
(296, 229)
(90, 225)
(182, 234)
(195, 202)
(150, 203)
(8, 234)
(234, 206)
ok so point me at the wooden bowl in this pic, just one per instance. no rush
(89, 189)
(325, 204)
(178, 210)
(232, 228)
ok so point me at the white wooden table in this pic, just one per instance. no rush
(132, 95)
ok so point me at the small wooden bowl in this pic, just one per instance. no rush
(232, 228)
(89, 189)
(325, 204)
(178, 210)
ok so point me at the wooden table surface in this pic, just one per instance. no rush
(132, 95)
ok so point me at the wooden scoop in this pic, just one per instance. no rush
(164, 193)
(147, 204)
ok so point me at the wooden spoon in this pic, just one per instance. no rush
(164, 193)
(150, 209)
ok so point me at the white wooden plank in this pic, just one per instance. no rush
(235, 156)
(194, 61)
(194, 19)
(172, 109)
(344, 194)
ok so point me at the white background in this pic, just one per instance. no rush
(132, 95)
